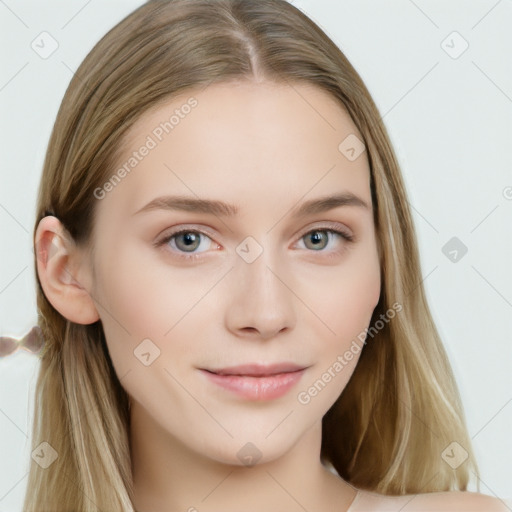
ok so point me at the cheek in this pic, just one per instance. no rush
(141, 298)
(350, 296)
(132, 304)
(346, 308)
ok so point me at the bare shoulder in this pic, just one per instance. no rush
(452, 501)
(457, 500)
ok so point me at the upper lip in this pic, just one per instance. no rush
(258, 370)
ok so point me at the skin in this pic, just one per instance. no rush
(266, 148)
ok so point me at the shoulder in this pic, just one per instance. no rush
(451, 501)
(457, 500)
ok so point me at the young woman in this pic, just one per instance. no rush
(229, 285)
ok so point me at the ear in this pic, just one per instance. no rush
(63, 272)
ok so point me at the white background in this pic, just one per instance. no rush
(450, 120)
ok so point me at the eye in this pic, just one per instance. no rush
(317, 239)
(186, 241)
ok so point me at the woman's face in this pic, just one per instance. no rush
(255, 277)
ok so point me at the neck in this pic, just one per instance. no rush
(169, 475)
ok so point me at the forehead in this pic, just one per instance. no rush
(240, 140)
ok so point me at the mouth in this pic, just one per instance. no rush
(258, 370)
(257, 382)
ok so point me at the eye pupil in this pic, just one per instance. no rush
(189, 239)
(317, 237)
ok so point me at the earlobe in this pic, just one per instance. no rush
(62, 274)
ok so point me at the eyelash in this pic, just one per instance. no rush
(328, 229)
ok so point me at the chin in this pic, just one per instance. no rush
(247, 452)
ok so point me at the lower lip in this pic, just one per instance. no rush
(257, 388)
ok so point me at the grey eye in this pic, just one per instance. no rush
(187, 241)
(319, 239)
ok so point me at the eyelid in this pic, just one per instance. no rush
(181, 228)
(328, 225)
(344, 232)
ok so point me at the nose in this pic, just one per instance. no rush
(261, 300)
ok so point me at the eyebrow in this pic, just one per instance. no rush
(222, 209)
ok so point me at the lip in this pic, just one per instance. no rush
(259, 382)
(258, 370)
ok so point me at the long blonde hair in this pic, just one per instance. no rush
(400, 410)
